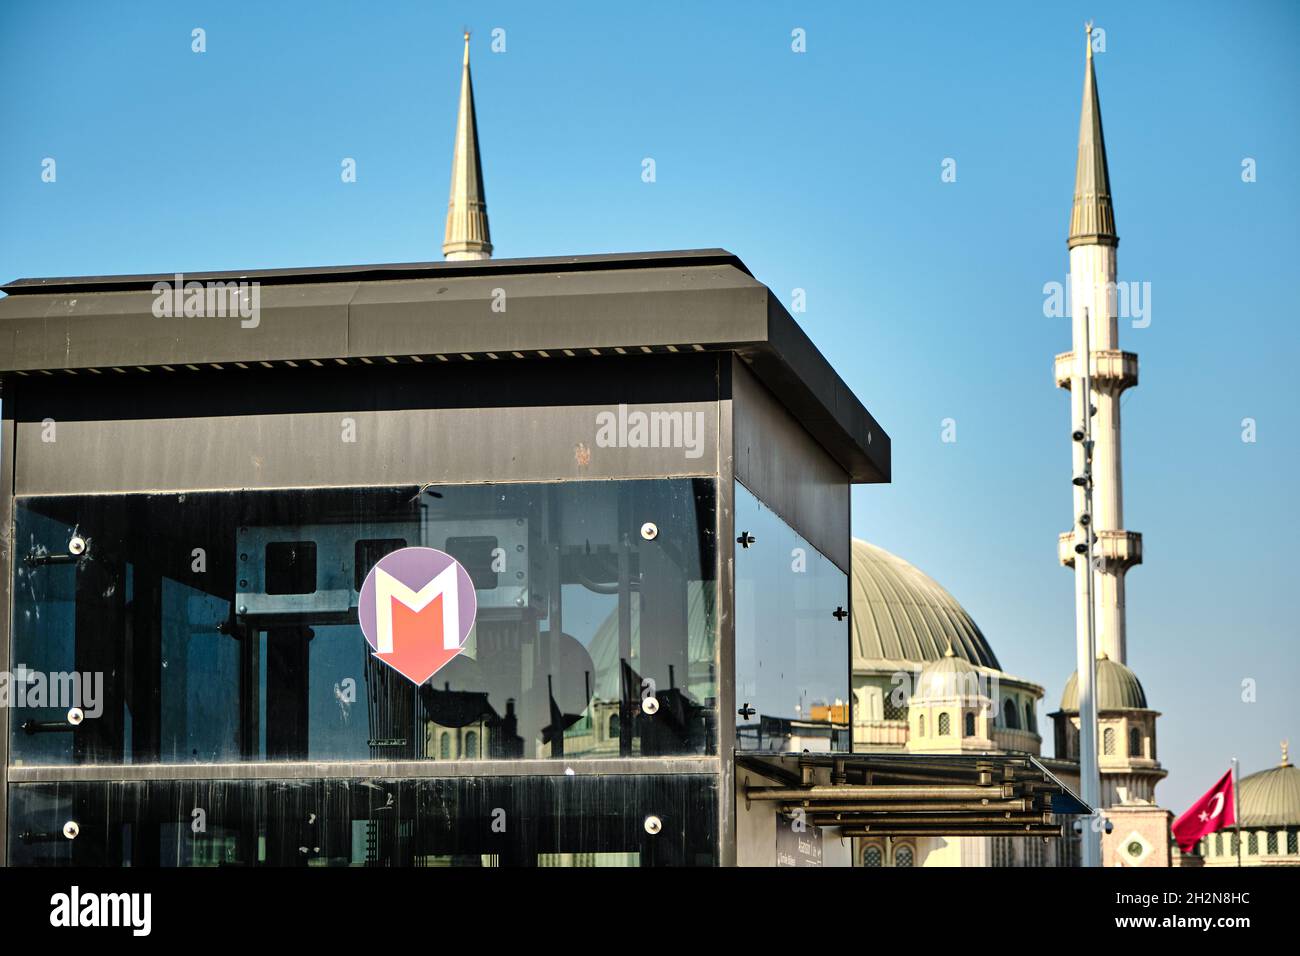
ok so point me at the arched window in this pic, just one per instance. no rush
(872, 856)
(1031, 722)
(444, 746)
(903, 856)
(1010, 715)
(1252, 843)
(970, 724)
(920, 725)
(945, 724)
(471, 744)
(892, 709)
(1108, 741)
(613, 727)
(1134, 742)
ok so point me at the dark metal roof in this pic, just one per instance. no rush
(606, 305)
(389, 270)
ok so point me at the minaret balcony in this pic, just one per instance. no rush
(1122, 548)
(1110, 368)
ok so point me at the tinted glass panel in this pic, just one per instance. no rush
(792, 650)
(539, 821)
(218, 627)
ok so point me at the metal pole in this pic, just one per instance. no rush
(1236, 811)
(1085, 624)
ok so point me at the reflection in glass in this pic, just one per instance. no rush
(223, 626)
(792, 651)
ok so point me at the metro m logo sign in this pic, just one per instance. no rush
(416, 609)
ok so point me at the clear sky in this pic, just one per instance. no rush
(821, 170)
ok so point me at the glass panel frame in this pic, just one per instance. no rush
(587, 619)
(792, 650)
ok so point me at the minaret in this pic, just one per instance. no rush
(467, 235)
(1093, 244)
(1104, 719)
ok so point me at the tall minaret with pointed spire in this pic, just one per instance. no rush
(467, 235)
(1104, 719)
(1093, 244)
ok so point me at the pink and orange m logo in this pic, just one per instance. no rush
(416, 609)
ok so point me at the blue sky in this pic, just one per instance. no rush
(822, 171)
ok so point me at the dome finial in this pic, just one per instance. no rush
(1286, 754)
(948, 652)
(1102, 656)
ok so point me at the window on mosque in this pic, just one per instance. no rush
(903, 856)
(1218, 844)
(471, 745)
(1108, 741)
(1271, 842)
(970, 725)
(1010, 714)
(1291, 841)
(893, 710)
(945, 724)
(792, 671)
(1031, 721)
(872, 856)
(920, 725)
(226, 625)
(1135, 743)
(1236, 843)
(1252, 844)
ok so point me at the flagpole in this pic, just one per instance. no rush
(1236, 811)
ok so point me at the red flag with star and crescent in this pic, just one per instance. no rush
(1214, 811)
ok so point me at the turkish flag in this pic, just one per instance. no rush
(1214, 811)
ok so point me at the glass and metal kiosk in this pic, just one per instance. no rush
(641, 461)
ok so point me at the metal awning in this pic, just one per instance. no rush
(914, 794)
(670, 304)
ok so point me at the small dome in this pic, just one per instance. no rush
(1117, 688)
(948, 677)
(901, 614)
(1271, 798)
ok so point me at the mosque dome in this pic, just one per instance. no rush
(902, 615)
(1117, 688)
(1271, 798)
(948, 677)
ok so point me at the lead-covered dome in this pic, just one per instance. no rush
(1271, 798)
(902, 614)
(1117, 688)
